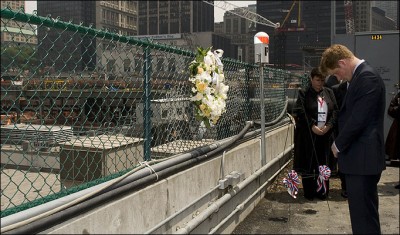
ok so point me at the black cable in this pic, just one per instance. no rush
(122, 188)
(273, 122)
(93, 202)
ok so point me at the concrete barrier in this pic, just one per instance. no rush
(167, 206)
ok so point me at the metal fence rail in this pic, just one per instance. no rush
(86, 105)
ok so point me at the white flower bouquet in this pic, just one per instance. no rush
(209, 90)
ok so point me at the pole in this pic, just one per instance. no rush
(262, 152)
(261, 52)
(147, 104)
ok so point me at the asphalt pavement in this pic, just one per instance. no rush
(279, 213)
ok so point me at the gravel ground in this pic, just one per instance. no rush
(279, 213)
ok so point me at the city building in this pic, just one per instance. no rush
(362, 16)
(18, 45)
(219, 27)
(380, 22)
(166, 67)
(241, 32)
(308, 28)
(184, 24)
(84, 53)
(391, 9)
(17, 33)
(372, 16)
(170, 17)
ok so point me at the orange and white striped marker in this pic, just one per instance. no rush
(261, 38)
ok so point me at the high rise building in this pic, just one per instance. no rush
(380, 22)
(362, 16)
(219, 27)
(241, 32)
(310, 27)
(390, 7)
(170, 17)
(82, 52)
(369, 17)
(17, 33)
(306, 31)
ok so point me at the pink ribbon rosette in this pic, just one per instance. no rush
(291, 183)
(324, 174)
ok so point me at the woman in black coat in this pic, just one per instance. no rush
(392, 144)
(316, 113)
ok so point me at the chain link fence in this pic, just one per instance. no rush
(85, 105)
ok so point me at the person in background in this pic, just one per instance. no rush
(392, 143)
(359, 146)
(340, 91)
(331, 81)
(315, 112)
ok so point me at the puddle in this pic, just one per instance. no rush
(279, 219)
(310, 212)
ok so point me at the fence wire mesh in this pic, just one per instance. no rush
(83, 106)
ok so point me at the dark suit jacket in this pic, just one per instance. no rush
(360, 140)
(332, 80)
(340, 91)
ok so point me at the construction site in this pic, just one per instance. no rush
(119, 140)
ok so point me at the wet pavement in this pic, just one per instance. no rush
(279, 213)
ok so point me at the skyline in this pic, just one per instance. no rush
(30, 6)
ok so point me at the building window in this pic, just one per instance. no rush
(138, 66)
(242, 25)
(228, 26)
(171, 65)
(179, 111)
(164, 114)
(235, 25)
(160, 64)
(110, 66)
(127, 65)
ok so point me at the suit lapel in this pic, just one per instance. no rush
(354, 81)
(343, 91)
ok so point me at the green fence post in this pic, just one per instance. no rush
(147, 104)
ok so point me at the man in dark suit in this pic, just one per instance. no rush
(359, 146)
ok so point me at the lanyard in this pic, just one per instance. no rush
(320, 101)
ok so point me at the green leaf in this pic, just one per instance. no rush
(207, 123)
(199, 118)
(193, 68)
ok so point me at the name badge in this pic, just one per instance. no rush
(322, 112)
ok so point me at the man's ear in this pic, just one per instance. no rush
(342, 63)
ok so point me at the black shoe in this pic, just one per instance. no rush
(343, 194)
(397, 186)
(310, 198)
(322, 196)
